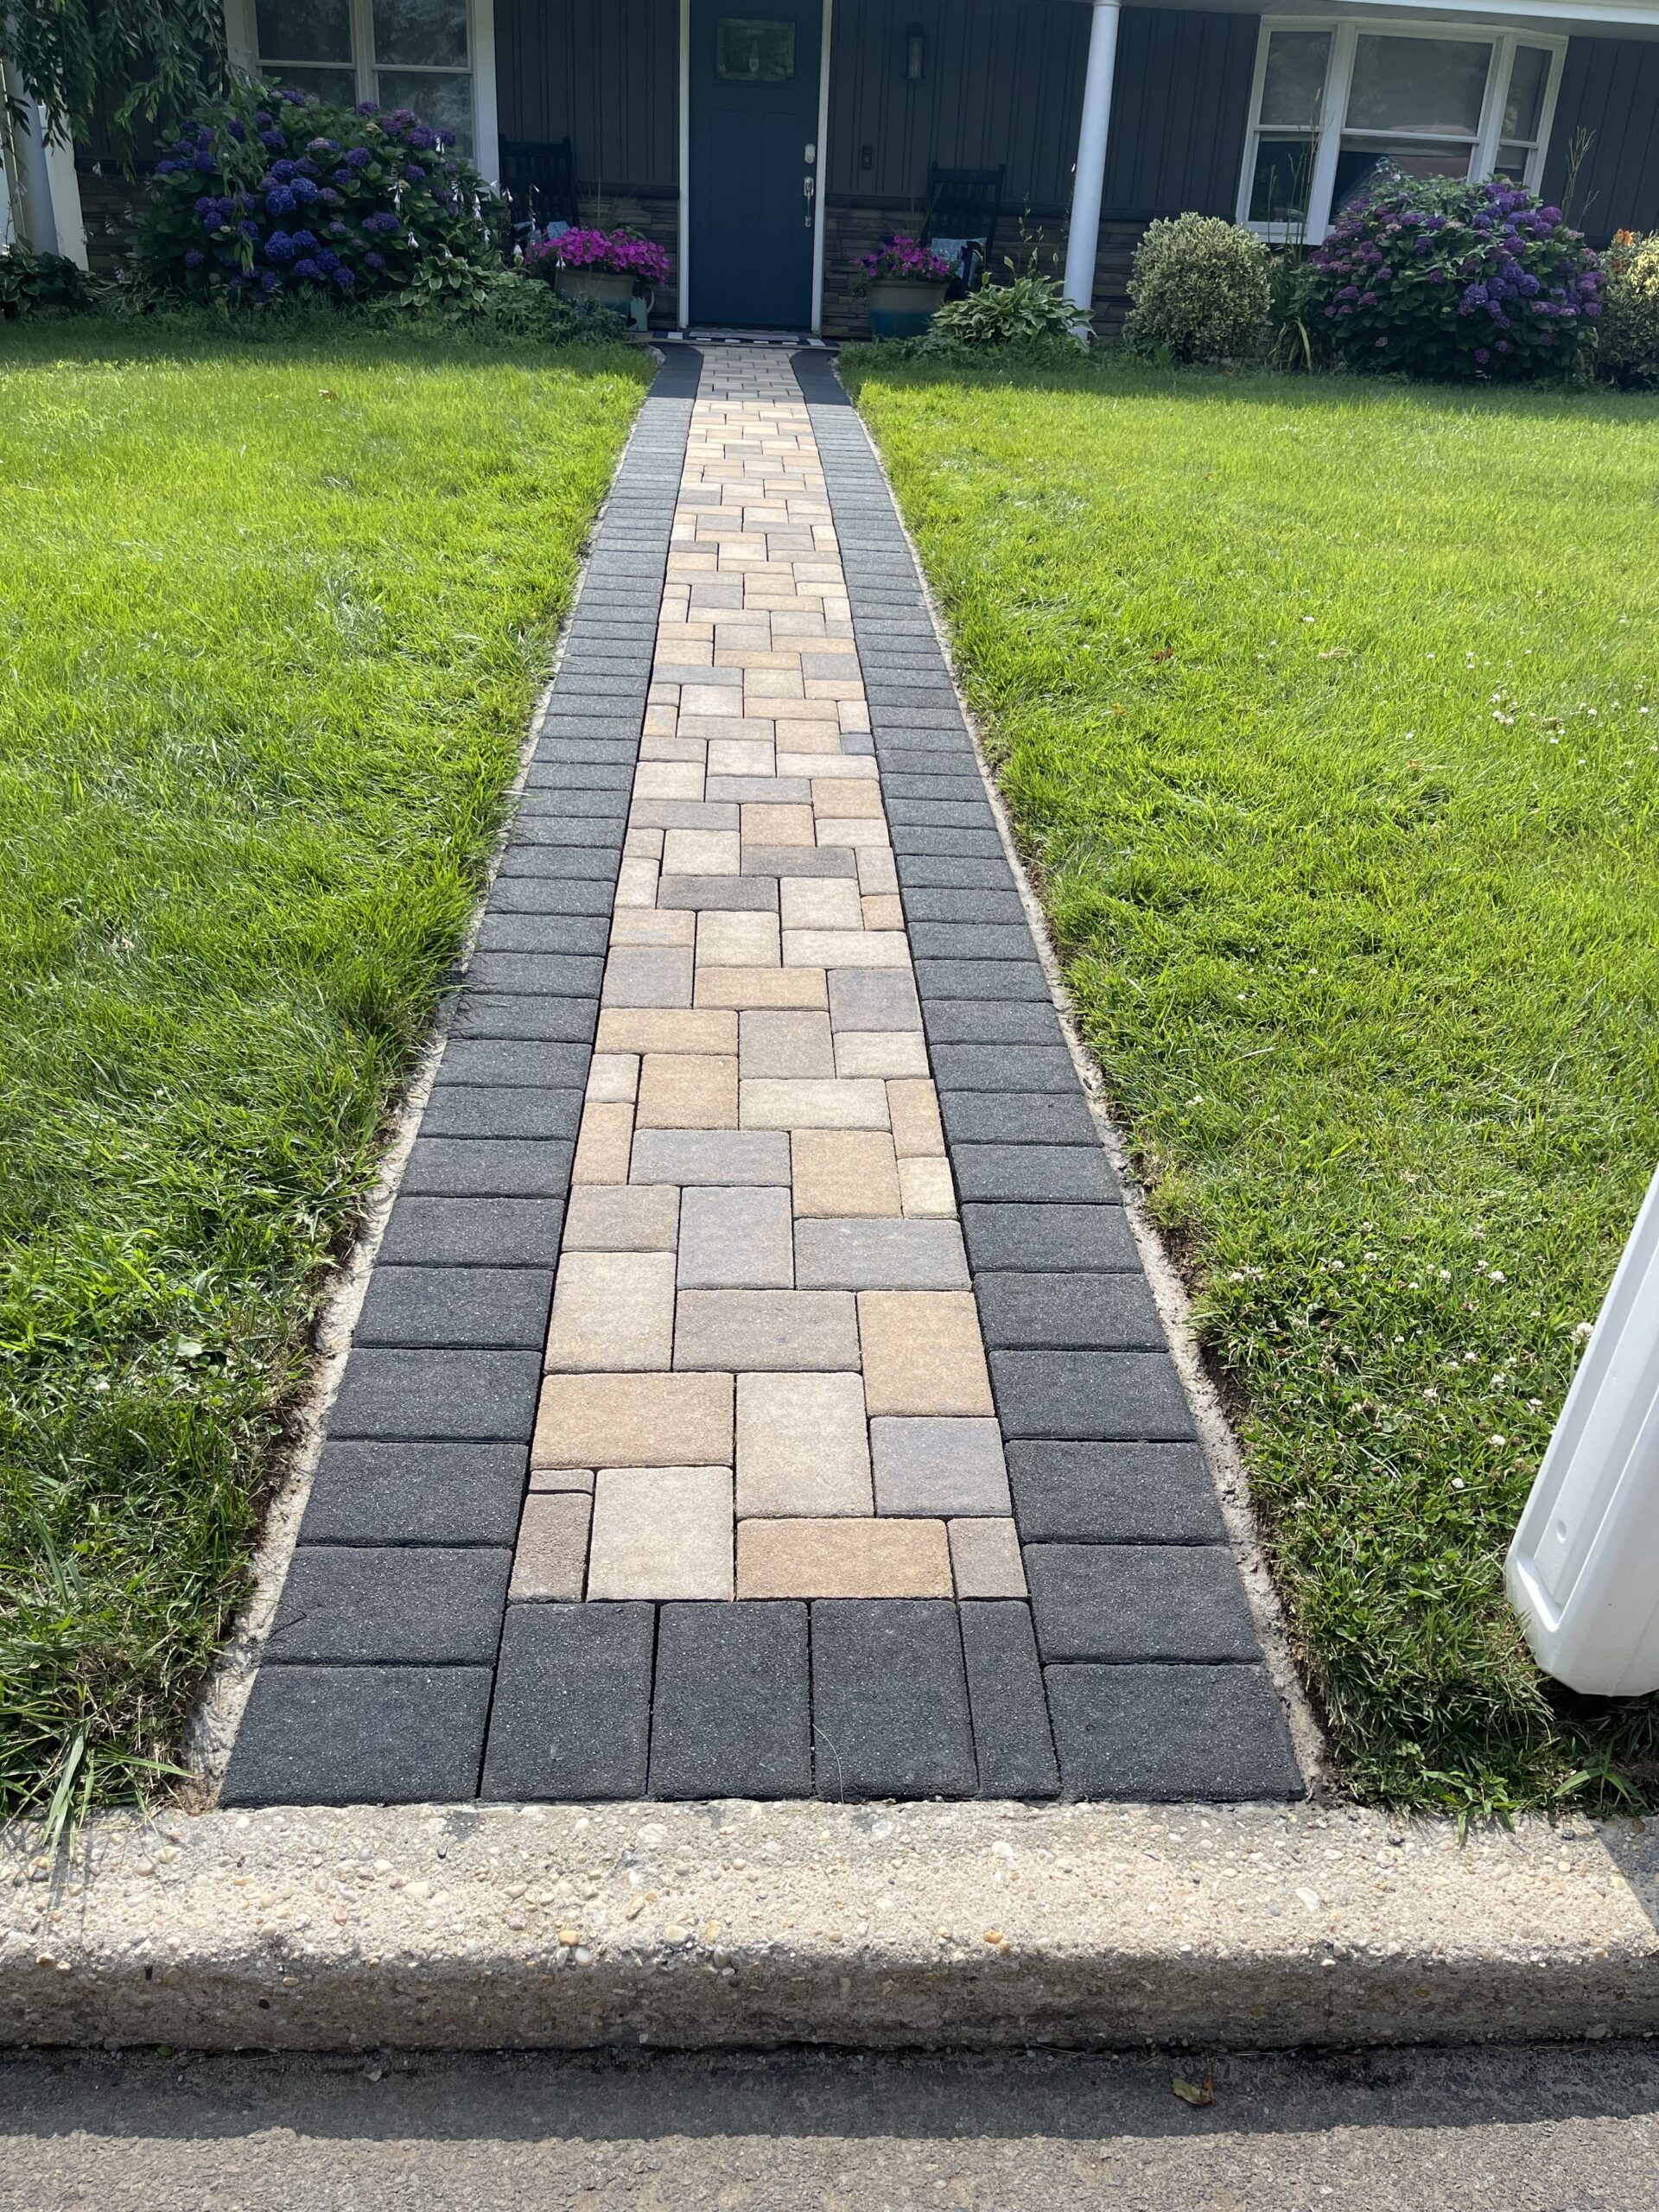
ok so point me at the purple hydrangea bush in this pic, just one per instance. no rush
(620, 252)
(1441, 277)
(906, 259)
(272, 194)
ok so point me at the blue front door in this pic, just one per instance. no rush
(753, 155)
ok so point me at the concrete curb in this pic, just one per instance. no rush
(884, 1926)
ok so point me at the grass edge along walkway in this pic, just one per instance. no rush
(1326, 713)
(272, 622)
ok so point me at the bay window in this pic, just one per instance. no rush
(1335, 105)
(423, 55)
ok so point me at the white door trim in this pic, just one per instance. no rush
(821, 168)
(685, 165)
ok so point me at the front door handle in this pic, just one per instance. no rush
(808, 188)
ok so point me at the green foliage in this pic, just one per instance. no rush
(276, 602)
(271, 194)
(1441, 277)
(1327, 710)
(1629, 350)
(1030, 312)
(31, 283)
(1201, 291)
(126, 57)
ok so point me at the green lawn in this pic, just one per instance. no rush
(1329, 714)
(271, 618)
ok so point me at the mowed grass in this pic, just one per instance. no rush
(271, 618)
(1329, 714)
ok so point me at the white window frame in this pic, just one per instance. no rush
(1345, 34)
(242, 32)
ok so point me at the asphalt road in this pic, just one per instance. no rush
(1538, 2130)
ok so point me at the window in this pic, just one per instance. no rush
(754, 53)
(1336, 104)
(414, 54)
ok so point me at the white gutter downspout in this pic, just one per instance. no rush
(1082, 239)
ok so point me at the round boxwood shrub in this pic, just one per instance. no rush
(1441, 277)
(1200, 288)
(272, 194)
(1629, 329)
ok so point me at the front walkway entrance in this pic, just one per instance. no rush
(753, 163)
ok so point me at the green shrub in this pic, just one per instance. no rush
(1200, 288)
(1030, 312)
(1630, 325)
(30, 281)
(271, 195)
(1443, 277)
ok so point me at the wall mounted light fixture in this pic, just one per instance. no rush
(915, 54)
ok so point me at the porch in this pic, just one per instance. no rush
(766, 153)
(1087, 118)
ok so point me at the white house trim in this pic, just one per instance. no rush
(1344, 32)
(820, 166)
(685, 165)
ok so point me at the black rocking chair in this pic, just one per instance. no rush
(539, 177)
(963, 206)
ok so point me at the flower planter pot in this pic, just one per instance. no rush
(903, 306)
(595, 287)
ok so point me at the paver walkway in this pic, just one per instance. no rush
(831, 1486)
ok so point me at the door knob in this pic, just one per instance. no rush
(809, 186)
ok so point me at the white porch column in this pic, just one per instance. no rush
(28, 173)
(1083, 237)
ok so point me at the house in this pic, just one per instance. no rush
(768, 150)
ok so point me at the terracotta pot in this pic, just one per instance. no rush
(903, 306)
(595, 287)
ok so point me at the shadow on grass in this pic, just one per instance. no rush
(187, 338)
(1113, 373)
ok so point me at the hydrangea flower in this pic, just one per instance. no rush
(1475, 261)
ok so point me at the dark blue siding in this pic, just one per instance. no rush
(1610, 91)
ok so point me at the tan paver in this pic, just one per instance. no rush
(922, 1352)
(769, 1103)
(662, 1532)
(784, 1329)
(842, 1559)
(729, 939)
(603, 1145)
(985, 1559)
(845, 949)
(802, 987)
(687, 1091)
(550, 1479)
(821, 902)
(788, 1045)
(612, 1309)
(550, 1559)
(880, 1052)
(838, 1172)
(803, 1446)
(672, 1029)
(913, 1109)
(929, 1192)
(622, 1218)
(637, 1420)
